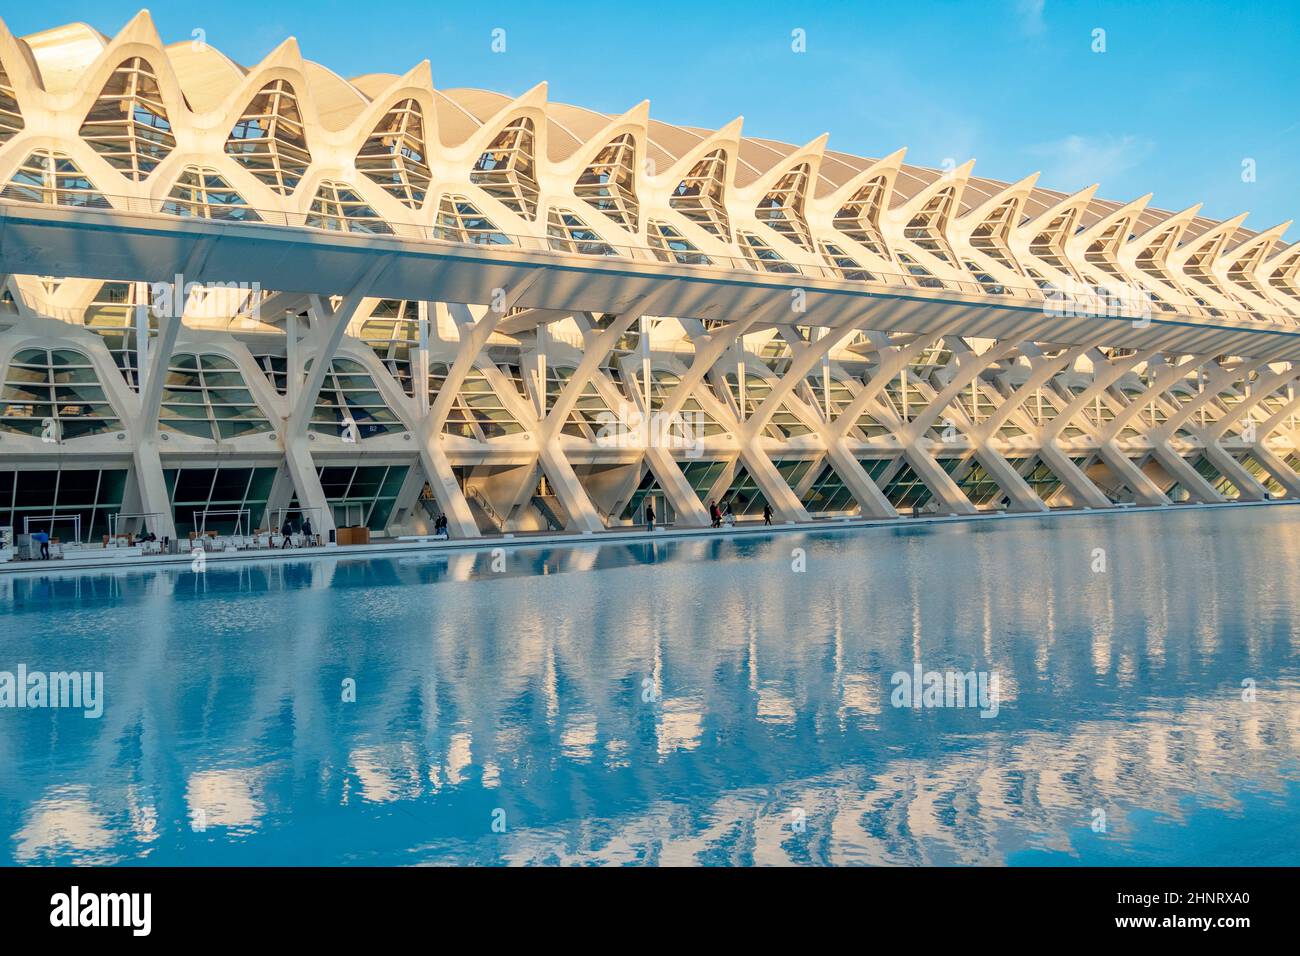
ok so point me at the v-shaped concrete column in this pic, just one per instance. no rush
(1246, 483)
(583, 515)
(437, 468)
(331, 324)
(1283, 473)
(1105, 372)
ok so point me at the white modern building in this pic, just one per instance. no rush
(235, 291)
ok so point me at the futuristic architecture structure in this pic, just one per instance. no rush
(248, 289)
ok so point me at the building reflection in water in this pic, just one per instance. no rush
(671, 703)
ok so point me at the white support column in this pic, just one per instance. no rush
(150, 482)
(331, 326)
(437, 467)
(583, 515)
(1105, 372)
(420, 361)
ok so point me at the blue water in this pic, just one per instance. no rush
(695, 702)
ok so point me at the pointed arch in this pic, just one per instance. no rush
(507, 169)
(270, 138)
(1101, 243)
(395, 154)
(1283, 271)
(459, 220)
(608, 184)
(1153, 258)
(859, 217)
(203, 192)
(52, 178)
(927, 227)
(670, 245)
(701, 195)
(128, 123)
(992, 235)
(568, 232)
(782, 207)
(340, 207)
(11, 115)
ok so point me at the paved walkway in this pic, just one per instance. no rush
(94, 559)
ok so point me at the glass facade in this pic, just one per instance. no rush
(828, 494)
(91, 494)
(699, 197)
(459, 220)
(781, 209)
(393, 156)
(339, 207)
(11, 117)
(53, 179)
(568, 233)
(204, 193)
(128, 123)
(206, 396)
(477, 412)
(198, 493)
(609, 183)
(55, 394)
(362, 494)
(349, 400)
(270, 140)
(507, 170)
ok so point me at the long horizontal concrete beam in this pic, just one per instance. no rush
(109, 244)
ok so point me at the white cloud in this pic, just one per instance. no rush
(1077, 161)
(1031, 16)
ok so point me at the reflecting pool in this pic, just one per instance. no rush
(707, 701)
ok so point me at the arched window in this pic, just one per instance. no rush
(204, 193)
(781, 210)
(859, 218)
(609, 183)
(206, 396)
(128, 124)
(350, 406)
(992, 237)
(763, 257)
(55, 394)
(568, 233)
(270, 141)
(699, 197)
(459, 220)
(11, 117)
(54, 179)
(339, 206)
(507, 169)
(394, 155)
(671, 246)
(928, 227)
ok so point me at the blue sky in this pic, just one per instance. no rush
(1184, 92)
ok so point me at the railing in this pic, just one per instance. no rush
(1096, 301)
(476, 495)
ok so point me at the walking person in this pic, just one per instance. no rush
(649, 514)
(306, 532)
(715, 516)
(43, 539)
(287, 533)
(767, 513)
